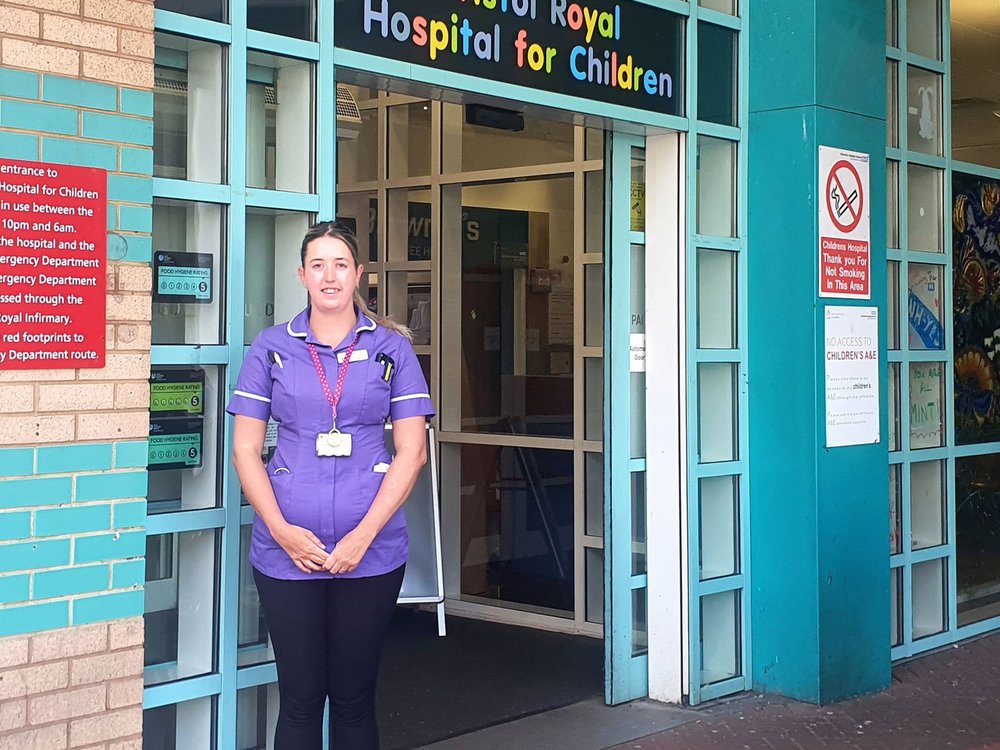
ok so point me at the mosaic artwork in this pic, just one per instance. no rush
(976, 257)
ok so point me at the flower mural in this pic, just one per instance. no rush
(976, 300)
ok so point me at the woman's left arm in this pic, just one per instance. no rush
(411, 454)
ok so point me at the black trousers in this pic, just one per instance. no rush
(327, 636)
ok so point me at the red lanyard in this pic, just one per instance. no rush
(333, 398)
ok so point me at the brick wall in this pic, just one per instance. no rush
(75, 88)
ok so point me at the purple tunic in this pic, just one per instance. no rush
(329, 495)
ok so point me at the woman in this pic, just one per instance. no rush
(329, 540)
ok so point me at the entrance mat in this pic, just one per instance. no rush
(480, 674)
(588, 725)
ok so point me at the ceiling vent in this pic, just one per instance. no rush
(348, 114)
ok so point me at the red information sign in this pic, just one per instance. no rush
(844, 226)
(53, 251)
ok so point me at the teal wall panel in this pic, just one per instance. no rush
(109, 547)
(132, 455)
(140, 249)
(106, 607)
(111, 486)
(22, 493)
(819, 517)
(67, 581)
(14, 588)
(19, 146)
(72, 520)
(130, 189)
(135, 218)
(19, 83)
(34, 555)
(15, 525)
(137, 130)
(81, 153)
(129, 514)
(33, 617)
(128, 573)
(44, 117)
(136, 102)
(90, 94)
(68, 458)
(137, 160)
(16, 462)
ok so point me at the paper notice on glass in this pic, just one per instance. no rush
(852, 398)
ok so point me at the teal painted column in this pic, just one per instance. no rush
(819, 517)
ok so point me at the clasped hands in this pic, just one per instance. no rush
(310, 555)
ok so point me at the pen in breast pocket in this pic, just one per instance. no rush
(276, 359)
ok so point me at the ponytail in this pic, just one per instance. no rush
(345, 233)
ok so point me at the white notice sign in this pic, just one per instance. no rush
(637, 352)
(852, 413)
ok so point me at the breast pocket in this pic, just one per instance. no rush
(376, 403)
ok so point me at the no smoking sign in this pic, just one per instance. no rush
(844, 226)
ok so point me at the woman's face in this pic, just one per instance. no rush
(329, 274)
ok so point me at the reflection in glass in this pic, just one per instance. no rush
(638, 505)
(892, 305)
(892, 204)
(468, 148)
(717, 74)
(926, 398)
(923, 28)
(593, 311)
(894, 401)
(409, 225)
(720, 637)
(637, 345)
(253, 641)
(180, 606)
(594, 570)
(716, 412)
(925, 303)
(188, 99)
(360, 211)
(184, 438)
(723, 6)
(256, 716)
(286, 17)
(593, 196)
(188, 272)
(891, 104)
(927, 583)
(357, 158)
(924, 214)
(891, 14)
(975, 129)
(516, 306)
(718, 527)
(273, 293)
(896, 606)
(923, 121)
(637, 221)
(517, 527)
(188, 724)
(408, 301)
(927, 504)
(716, 199)
(593, 477)
(593, 394)
(593, 143)
(716, 299)
(409, 153)
(640, 630)
(977, 537)
(210, 10)
(279, 123)
(895, 509)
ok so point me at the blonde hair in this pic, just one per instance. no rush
(343, 232)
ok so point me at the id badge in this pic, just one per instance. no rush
(333, 443)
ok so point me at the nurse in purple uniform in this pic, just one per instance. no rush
(329, 541)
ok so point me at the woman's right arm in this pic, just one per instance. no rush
(302, 546)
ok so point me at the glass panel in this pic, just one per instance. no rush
(892, 305)
(925, 306)
(638, 194)
(723, 6)
(188, 97)
(357, 157)
(210, 10)
(720, 637)
(975, 123)
(285, 17)
(638, 523)
(409, 144)
(593, 227)
(593, 409)
(927, 504)
(184, 438)
(716, 412)
(409, 225)
(923, 27)
(517, 316)
(408, 301)
(896, 606)
(891, 26)
(180, 606)
(640, 632)
(256, 716)
(594, 564)
(517, 527)
(188, 270)
(425, 366)
(923, 121)
(637, 355)
(975, 225)
(253, 641)
(895, 509)
(717, 280)
(892, 104)
(593, 311)
(468, 146)
(718, 529)
(892, 204)
(924, 216)
(977, 537)
(928, 581)
(926, 397)
(279, 123)
(273, 293)
(593, 477)
(360, 210)
(594, 143)
(716, 200)
(894, 399)
(188, 724)
(717, 74)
